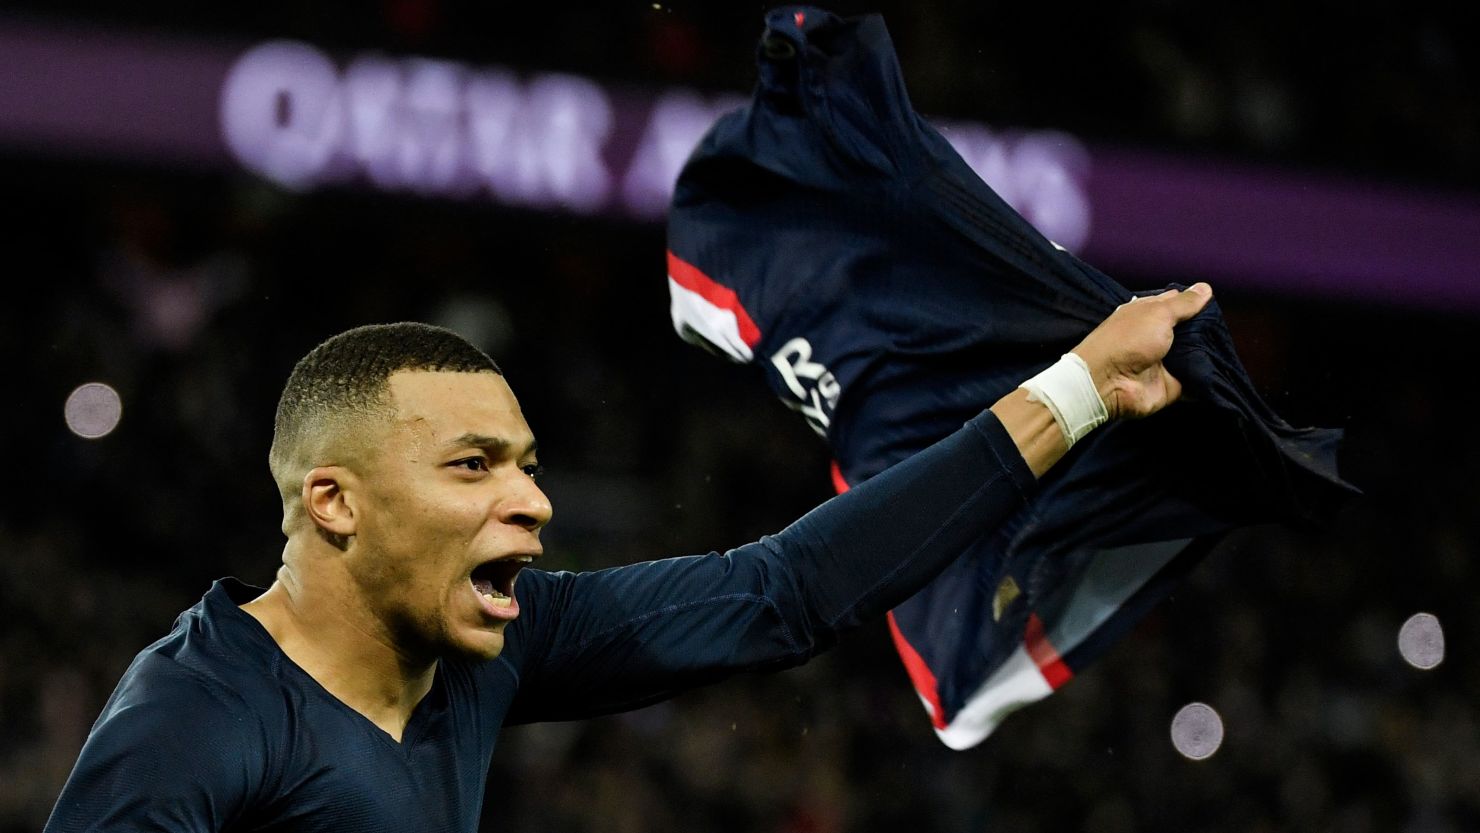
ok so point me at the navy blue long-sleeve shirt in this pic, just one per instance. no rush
(214, 728)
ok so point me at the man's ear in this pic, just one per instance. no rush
(327, 502)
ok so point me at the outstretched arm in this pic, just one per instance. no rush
(599, 642)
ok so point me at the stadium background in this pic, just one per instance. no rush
(192, 290)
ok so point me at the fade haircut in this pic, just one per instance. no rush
(348, 377)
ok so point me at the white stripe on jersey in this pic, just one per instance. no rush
(705, 325)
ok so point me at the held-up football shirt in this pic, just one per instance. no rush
(830, 236)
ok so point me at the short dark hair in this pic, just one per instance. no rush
(349, 374)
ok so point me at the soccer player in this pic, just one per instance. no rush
(365, 689)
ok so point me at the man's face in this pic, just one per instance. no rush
(449, 512)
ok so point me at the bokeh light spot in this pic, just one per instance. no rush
(1197, 731)
(93, 410)
(1421, 641)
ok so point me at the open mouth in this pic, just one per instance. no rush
(494, 580)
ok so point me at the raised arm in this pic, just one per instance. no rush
(605, 641)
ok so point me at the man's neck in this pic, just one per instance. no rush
(353, 660)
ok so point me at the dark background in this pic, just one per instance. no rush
(193, 294)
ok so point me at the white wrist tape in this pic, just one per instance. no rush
(1068, 391)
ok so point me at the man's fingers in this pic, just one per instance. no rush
(1190, 301)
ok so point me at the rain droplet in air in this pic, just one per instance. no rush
(1421, 641)
(1197, 731)
(93, 410)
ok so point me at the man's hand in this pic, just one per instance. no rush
(1124, 357)
(1124, 353)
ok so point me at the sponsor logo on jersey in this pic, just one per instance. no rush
(813, 387)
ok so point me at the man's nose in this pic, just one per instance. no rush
(527, 506)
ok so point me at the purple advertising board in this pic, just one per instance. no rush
(306, 119)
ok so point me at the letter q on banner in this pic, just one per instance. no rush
(282, 112)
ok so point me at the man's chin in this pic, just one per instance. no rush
(481, 644)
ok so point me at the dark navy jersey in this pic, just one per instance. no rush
(829, 235)
(213, 728)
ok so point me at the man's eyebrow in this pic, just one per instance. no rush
(493, 445)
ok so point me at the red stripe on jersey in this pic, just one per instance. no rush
(688, 276)
(1049, 663)
(914, 664)
(920, 674)
(839, 484)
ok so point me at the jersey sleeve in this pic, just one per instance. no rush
(594, 643)
(167, 754)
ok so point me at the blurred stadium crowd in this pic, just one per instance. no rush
(192, 295)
